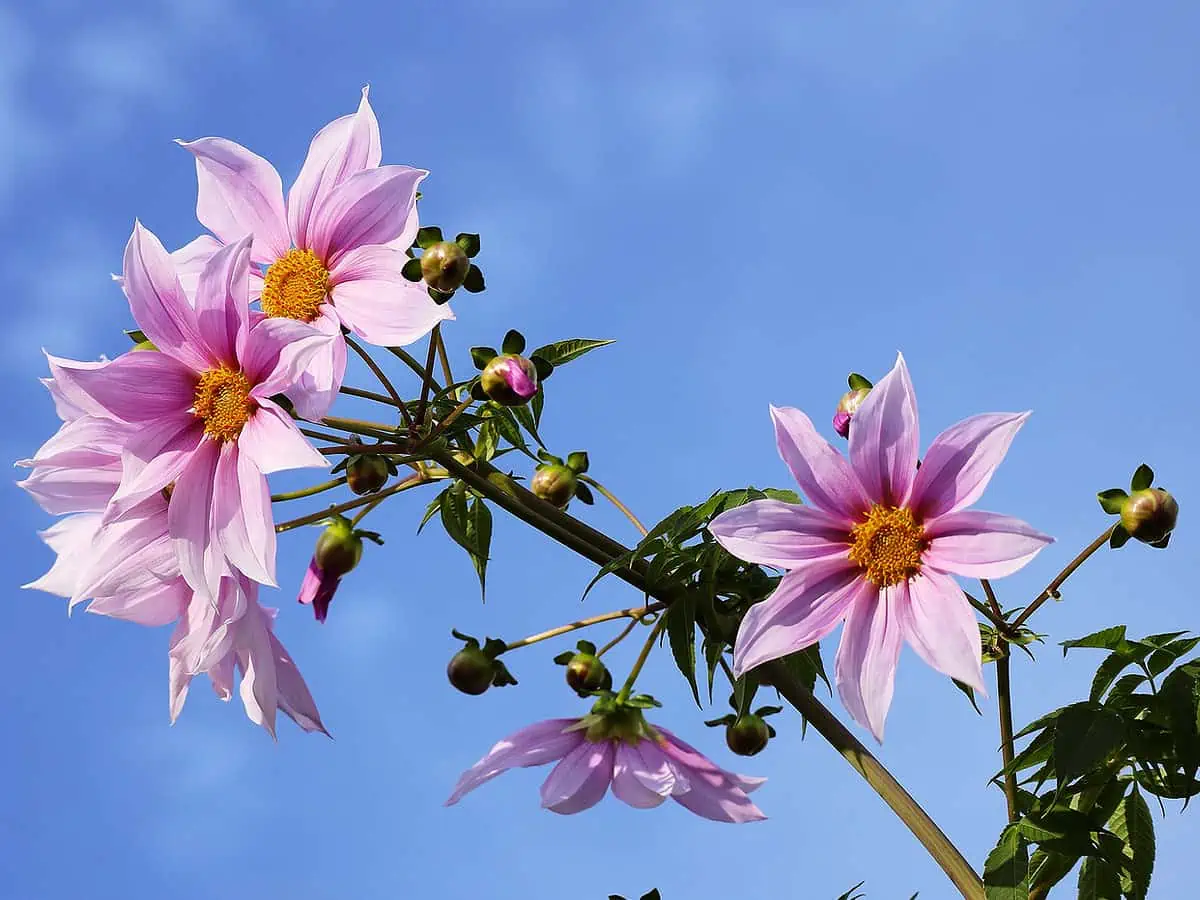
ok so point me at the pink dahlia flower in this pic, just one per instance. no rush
(878, 545)
(333, 254)
(642, 773)
(200, 410)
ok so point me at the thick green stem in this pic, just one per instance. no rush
(601, 549)
(1004, 702)
(357, 426)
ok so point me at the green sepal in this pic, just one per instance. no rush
(473, 283)
(1118, 538)
(502, 677)
(481, 356)
(477, 392)
(514, 342)
(428, 236)
(469, 243)
(1112, 500)
(136, 336)
(549, 458)
(565, 657)
(1143, 477)
(577, 462)
(724, 720)
(439, 297)
(412, 270)
(858, 383)
(584, 495)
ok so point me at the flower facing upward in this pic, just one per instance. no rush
(878, 544)
(643, 769)
(200, 410)
(331, 255)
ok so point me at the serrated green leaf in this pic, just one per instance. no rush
(853, 894)
(514, 342)
(1006, 871)
(1112, 500)
(561, 352)
(1099, 880)
(486, 439)
(784, 495)
(969, 691)
(713, 649)
(525, 417)
(434, 505)
(681, 632)
(1134, 826)
(1143, 477)
(1105, 639)
(479, 528)
(1085, 734)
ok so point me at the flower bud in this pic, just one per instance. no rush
(444, 266)
(366, 474)
(509, 380)
(1149, 515)
(471, 671)
(748, 735)
(586, 673)
(338, 548)
(846, 408)
(555, 484)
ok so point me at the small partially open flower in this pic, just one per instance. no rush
(366, 473)
(338, 550)
(444, 266)
(554, 483)
(1149, 515)
(509, 380)
(846, 408)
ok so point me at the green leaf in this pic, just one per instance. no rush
(681, 631)
(1105, 639)
(1006, 872)
(858, 382)
(481, 356)
(543, 368)
(1119, 537)
(1134, 826)
(969, 691)
(434, 505)
(525, 417)
(1143, 477)
(536, 404)
(652, 894)
(486, 439)
(784, 495)
(514, 342)
(744, 690)
(577, 462)
(1111, 500)
(1085, 734)
(1179, 699)
(469, 244)
(1099, 880)
(853, 894)
(473, 283)
(565, 351)
(412, 270)
(428, 236)
(479, 527)
(547, 457)
(712, 656)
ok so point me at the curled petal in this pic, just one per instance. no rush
(778, 534)
(979, 544)
(276, 353)
(378, 303)
(884, 438)
(239, 193)
(642, 779)
(223, 301)
(707, 790)
(189, 261)
(961, 461)
(70, 401)
(534, 745)
(72, 490)
(823, 474)
(294, 697)
(71, 540)
(153, 608)
(580, 780)
(82, 442)
(153, 458)
(370, 207)
(255, 656)
(940, 626)
(866, 660)
(320, 380)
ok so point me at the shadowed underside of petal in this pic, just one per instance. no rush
(534, 745)
(642, 776)
(580, 780)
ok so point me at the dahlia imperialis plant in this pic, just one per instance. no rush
(239, 341)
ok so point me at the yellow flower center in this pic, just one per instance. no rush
(888, 545)
(295, 286)
(223, 401)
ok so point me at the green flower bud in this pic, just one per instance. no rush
(444, 266)
(586, 673)
(509, 379)
(338, 548)
(555, 484)
(366, 474)
(471, 670)
(1149, 515)
(747, 735)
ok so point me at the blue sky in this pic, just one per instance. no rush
(753, 199)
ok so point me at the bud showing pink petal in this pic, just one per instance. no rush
(586, 673)
(338, 551)
(444, 266)
(1149, 515)
(509, 380)
(366, 473)
(555, 484)
(846, 408)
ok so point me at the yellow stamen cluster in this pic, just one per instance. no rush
(223, 401)
(888, 545)
(295, 286)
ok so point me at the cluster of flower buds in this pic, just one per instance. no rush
(508, 378)
(445, 266)
(557, 482)
(586, 674)
(850, 402)
(475, 668)
(1148, 514)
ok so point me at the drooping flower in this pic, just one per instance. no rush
(643, 769)
(338, 551)
(201, 411)
(333, 254)
(878, 544)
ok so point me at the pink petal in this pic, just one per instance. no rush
(273, 443)
(342, 148)
(158, 303)
(824, 476)
(321, 379)
(276, 353)
(128, 557)
(940, 625)
(71, 490)
(641, 781)
(189, 518)
(884, 438)
(239, 193)
(87, 441)
(866, 660)
(222, 301)
(242, 517)
(140, 387)
(961, 461)
(294, 697)
(259, 688)
(378, 303)
(220, 676)
(153, 459)
(70, 402)
(708, 790)
(979, 544)
(153, 608)
(71, 540)
(534, 745)
(780, 535)
(370, 207)
(189, 260)
(580, 780)
(807, 605)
